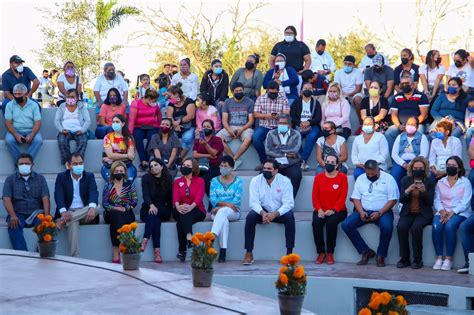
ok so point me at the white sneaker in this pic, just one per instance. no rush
(304, 166)
(438, 264)
(237, 164)
(447, 265)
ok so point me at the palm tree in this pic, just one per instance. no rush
(107, 17)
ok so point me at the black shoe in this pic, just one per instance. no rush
(417, 264)
(190, 244)
(289, 251)
(366, 257)
(464, 269)
(181, 256)
(221, 258)
(403, 263)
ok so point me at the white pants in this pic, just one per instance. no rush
(220, 226)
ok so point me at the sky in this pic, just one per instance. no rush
(21, 32)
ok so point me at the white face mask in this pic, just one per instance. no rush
(289, 38)
(280, 64)
(20, 68)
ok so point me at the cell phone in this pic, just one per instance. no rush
(202, 135)
(23, 139)
(418, 181)
(325, 67)
(274, 114)
(277, 68)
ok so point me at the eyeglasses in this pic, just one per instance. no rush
(371, 187)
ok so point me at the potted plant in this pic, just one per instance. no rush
(46, 231)
(291, 285)
(385, 304)
(201, 259)
(130, 246)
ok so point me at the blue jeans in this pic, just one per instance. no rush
(131, 170)
(398, 172)
(16, 235)
(468, 136)
(307, 147)
(320, 169)
(385, 223)
(187, 139)
(357, 172)
(393, 131)
(258, 140)
(140, 135)
(102, 131)
(14, 147)
(290, 101)
(467, 237)
(449, 230)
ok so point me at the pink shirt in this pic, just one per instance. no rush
(211, 113)
(184, 194)
(108, 112)
(143, 115)
(337, 112)
(456, 198)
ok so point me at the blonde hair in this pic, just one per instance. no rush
(420, 159)
(114, 166)
(335, 85)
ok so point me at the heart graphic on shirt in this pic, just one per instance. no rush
(181, 184)
(335, 186)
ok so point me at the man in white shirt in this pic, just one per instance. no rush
(271, 200)
(350, 80)
(321, 60)
(76, 197)
(367, 60)
(374, 195)
(109, 79)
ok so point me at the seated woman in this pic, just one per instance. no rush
(72, 120)
(119, 146)
(416, 196)
(370, 145)
(442, 147)
(329, 203)
(215, 82)
(188, 194)
(165, 144)
(451, 106)
(208, 150)
(376, 106)
(331, 144)
(118, 200)
(143, 122)
(337, 109)
(157, 204)
(113, 106)
(452, 203)
(225, 196)
(204, 110)
(250, 77)
(408, 145)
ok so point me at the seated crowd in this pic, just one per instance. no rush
(181, 125)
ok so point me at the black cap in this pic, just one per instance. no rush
(16, 59)
(350, 58)
(371, 165)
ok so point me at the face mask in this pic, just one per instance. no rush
(173, 100)
(325, 133)
(20, 69)
(471, 109)
(119, 176)
(272, 95)
(165, 129)
(452, 90)
(333, 95)
(225, 171)
(238, 96)
(70, 72)
(330, 167)
(458, 64)
(267, 174)
(307, 93)
(113, 99)
(373, 178)
(368, 129)
(320, 52)
(378, 68)
(418, 173)
(410, 129)
(451, 170)
(110, 75)
(78, 169)
(249, 65)
(373, 92)
(217, 71)
(24, 169)
(280, 64)
(186, 170)
(289, 38)
(404, 61)
(70, 101)
(116, 127)
(19, 99)
(438, 135)
(371, 56)
(348, 69)
(406, 88)
(282, 128)
(207, 132)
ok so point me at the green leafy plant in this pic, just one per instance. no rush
(203, 253)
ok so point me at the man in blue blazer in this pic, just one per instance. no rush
(76, 197)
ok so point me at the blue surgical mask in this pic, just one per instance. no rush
(78, 169)
(368, 129)
(116, 127)
(452, 90)
(217, 71)
(348, 69)
(24, 169)
(438, 135)
(471, 109)
(282, 128)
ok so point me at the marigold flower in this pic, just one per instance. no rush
(393, 313)
(40, 217)
(122, 248)
(134, 225)
(208, 236)
(48, 218)
(365, 311)
(284, 260)
(39, 228)
(283, 279)
(374, 303)
(283, 269)
(52, 224)
(211, 251)
(299, 272)
(401, 301)
(293, 259)
(208, 243)
(47, 238)
(45, 223)
(126, 228)
(195, 240)
(119, 230)
(385, 298)
(200, 236)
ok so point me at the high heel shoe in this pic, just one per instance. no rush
(116, 261)
(158, 258)
(181, 256)
(144, 243)
(222, 253)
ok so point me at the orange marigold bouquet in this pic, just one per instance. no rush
(46, 230)
(292, 278)
(385, 304)
(203, 252)
(129, 243)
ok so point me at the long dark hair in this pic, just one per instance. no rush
(125, 132)
(164, 181)
(171, 132)
(429, 59)
(462, 95)
(117, 93)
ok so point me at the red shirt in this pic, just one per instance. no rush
(184, 194)
(215, 143)
(330, 193)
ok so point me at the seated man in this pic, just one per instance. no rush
(381, 72)
(23, 122)
(76, 197)
(283, 145)
(25, 195)
(270, 200)
(237, 120)
(374, 195)
(350, 79)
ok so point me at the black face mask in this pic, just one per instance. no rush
(267, 174)
(330, 167)
(373, 178)
(418, 173)
(238, 96)
(320, 52)
(404, 61)
(451, 170)
(272, 95)
(207, 132)
(186, 170)
(378, 68)
(19, 99)
(405, 88)
(307, 93)
(371, 56)
(119, 176)
(325, 133)
(110, 75)
(458, 64)
(249, 65)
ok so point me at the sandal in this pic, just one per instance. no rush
(144, 243)
(158, 258)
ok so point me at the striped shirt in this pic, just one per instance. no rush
(127, 198)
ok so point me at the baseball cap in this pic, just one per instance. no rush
(378, 60)
(16, 59)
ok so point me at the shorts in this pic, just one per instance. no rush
(225, 136)
(351, 98)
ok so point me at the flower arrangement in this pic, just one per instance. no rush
(292, 278)
(203, 253)
(129, 243)
(385, 304)
(46, 230)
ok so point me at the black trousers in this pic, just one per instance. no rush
(116, 219)
(293, 172)
(331, 223)
(253, 218)
(413, 224)
(209, 175)
(184, 224)
(153, 223)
